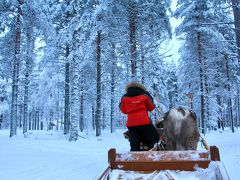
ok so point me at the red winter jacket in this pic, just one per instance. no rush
(136, 104)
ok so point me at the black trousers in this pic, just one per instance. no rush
(146, 134)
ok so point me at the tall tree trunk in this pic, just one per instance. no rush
(1, 101)
(113, 79)
(33, 118)
(57, 106)
(220, 117)
(81, 123)
(14, 104)
(51, 124)
(30, 46)
(142, 65)
(20, 115)
(238, 107)
(206, 94)
(1, 121)
(99, 93)
(218, 96)
(25, 110)
(30, 121)
(201, 77)
(74, 100)
(67, 94)
(41, 117)
(229, 93)
(38, 118)
(236, 16)
(93, 118)
(132, 28)
(103, 118)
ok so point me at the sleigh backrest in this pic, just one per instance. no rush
(181, 129)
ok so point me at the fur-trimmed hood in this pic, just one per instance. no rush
(135, 84)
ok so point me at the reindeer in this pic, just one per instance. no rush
(181, 129)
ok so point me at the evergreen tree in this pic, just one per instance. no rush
(204, 44)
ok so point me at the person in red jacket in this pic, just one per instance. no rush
(136, 103)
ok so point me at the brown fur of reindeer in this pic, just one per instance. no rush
(181, 129)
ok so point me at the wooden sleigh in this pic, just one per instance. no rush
(160, 163)
(171, 165)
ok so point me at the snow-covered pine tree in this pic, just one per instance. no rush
(29, 16)
(236, 15)
(7, 39)
(98, 83)
(203, 42)
(15, 76)
(77, 61)
(62, 19)
(115, 53)
(43, 81)
(74, 96)
(154, 29)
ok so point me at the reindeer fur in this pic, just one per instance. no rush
(181, 129)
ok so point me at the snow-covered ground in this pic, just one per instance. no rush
(50, 156)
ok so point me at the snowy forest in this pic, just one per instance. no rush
(64, 64)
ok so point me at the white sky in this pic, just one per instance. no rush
(174, 44)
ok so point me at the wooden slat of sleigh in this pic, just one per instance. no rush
(156, 163)
(159, 160)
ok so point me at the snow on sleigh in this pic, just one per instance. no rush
(171, 160)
